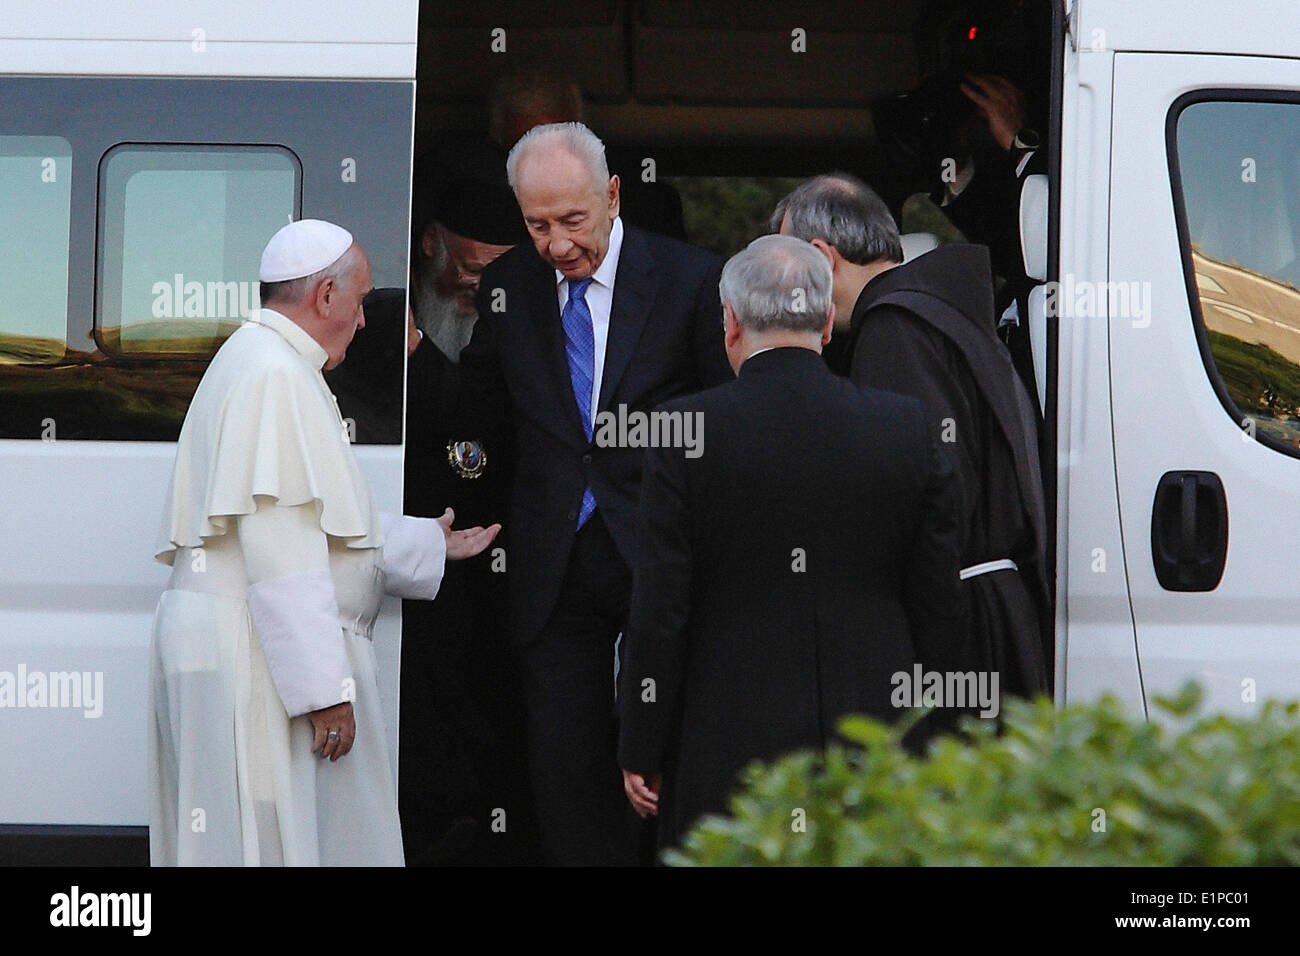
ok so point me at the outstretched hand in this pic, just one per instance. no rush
(467, 542)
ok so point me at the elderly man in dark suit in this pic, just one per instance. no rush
(591, 317)
(789, 572)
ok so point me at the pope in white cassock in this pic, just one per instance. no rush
(263, 673)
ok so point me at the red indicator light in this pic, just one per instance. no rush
(971, 34)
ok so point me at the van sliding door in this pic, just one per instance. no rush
(1202, 305)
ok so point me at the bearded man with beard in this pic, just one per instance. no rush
(463, 757)
(472, 223)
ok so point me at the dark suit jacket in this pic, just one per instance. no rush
(665, 340)
(786, 574)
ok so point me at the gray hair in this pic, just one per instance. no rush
(778, 283)
(293, 291)
(844, 212)
(575, 137)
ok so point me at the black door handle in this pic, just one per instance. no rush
(1189, 531)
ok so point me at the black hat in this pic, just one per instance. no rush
(479, 210)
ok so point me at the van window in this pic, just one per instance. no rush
(118, 286)
(1238, 168)
(181, 237)
(35, 199)
(725, 213)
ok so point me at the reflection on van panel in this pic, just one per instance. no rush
(1254, 325)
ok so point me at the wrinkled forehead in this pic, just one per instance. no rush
(552, 169)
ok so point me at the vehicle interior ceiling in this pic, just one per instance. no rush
(753, 91)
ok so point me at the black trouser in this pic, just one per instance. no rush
(463, 787)
(568, 676)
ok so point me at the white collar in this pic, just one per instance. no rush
(294, 334)
(604, 275)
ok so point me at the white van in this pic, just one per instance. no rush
(146, 154)
(1175, 355)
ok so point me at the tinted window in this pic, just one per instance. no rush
(98, 340)
(1239, 169)
(182, 236)
(726, 213)
(35, 199)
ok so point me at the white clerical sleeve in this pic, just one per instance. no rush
(415, 555)
(291, 597)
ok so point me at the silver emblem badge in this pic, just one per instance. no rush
(466, 458)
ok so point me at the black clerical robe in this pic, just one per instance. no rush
(926, 329)
(462, 740)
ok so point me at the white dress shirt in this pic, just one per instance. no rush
(600, 299)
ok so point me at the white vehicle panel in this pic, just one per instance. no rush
(1095, 651)
(1241, 640)
(1258, 28)
(92, 563)
(303, 38)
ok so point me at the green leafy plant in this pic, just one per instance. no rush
(1080, 786)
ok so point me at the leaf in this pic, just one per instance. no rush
(1216, 790)
(1184, 703)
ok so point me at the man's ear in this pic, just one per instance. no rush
(324, 296)
(612, 195)
(427, 240)
(731, 329)
(830, 252)
(829, 328)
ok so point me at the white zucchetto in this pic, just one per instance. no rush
(303, 248)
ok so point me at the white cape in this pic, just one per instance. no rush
(263, 422)
(234, 781)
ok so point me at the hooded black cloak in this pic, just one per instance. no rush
(927, 329)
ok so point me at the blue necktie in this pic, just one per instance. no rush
(580, 347)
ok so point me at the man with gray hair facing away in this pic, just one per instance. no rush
(927, 329)
(792, 569)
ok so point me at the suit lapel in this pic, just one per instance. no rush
(633, 297)
(546, 323)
